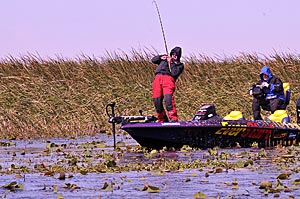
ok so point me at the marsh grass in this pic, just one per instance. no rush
(67, 97)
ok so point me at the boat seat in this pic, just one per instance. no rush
(279, 116)
(234, 115)
(287, 95)
(287, 92)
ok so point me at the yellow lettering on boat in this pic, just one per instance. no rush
(230, 131)
(236, 131)
(224, 123)
(220, 131)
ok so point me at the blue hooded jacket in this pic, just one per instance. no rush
(275, 89)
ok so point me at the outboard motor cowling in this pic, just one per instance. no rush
(207, 111)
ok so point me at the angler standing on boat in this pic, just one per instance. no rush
(168, 70)
(270, 95)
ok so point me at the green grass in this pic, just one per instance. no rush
(67, 97)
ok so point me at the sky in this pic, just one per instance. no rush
(71, 28)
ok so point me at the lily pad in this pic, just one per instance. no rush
(14, 186)
(199, 195)
(283, 176)
(107, 187)
(234, 185)
(11, 184)
(60, 196)
(265, 184)
(120, 144)
(218, 170)
(296, 181)
(240, 163)
(288, 156)
(150, 189)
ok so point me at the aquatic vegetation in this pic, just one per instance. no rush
(67, 164)
(42, 98)
(51, 98)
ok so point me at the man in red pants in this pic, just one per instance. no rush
(168, 70)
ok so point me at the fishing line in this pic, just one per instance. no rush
(161, 25)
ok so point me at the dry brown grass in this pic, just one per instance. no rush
(62, 97)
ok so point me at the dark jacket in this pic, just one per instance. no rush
(275, 89)
(163, 66)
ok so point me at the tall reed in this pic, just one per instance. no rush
(54, 97)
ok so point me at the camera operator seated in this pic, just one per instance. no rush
(268, 93)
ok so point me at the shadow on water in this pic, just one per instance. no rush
(89, 167)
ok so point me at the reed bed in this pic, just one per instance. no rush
(59, 97)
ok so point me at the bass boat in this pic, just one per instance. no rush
(207, 130)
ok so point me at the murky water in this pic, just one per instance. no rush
(183, 183)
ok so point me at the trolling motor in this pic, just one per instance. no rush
(126, 119)
(113, 119)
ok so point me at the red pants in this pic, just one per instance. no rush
(163, 88)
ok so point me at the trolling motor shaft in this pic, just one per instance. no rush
(112, 119)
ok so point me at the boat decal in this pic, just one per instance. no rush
(289, 125)
(258, 131)
(224, 123)
(233, 124)
(280, 136)
(230, 131)
(292, 135)
(293, 125)
(170, 124)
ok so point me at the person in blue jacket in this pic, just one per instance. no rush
(271, 97)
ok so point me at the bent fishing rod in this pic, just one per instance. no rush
(161, 26)
(162, 30)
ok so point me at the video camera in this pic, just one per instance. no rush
(257, 91)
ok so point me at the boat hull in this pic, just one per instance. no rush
(209, 134)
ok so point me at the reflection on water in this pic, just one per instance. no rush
(181, 183)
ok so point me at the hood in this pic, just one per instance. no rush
(177, 51)
(265, 70)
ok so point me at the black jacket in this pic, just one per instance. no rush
(163, 66)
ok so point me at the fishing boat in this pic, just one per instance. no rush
(207, 130)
